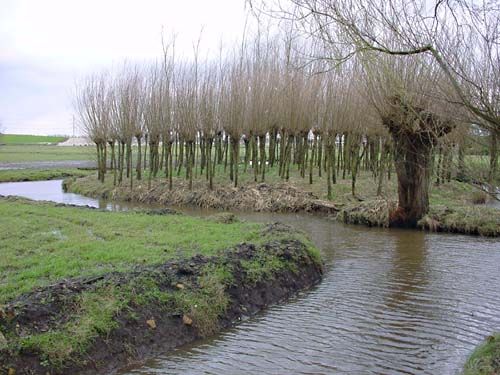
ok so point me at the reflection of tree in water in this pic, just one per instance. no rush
(408, 276)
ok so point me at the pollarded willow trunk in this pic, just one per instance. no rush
(384, 155)
(246, 141)
(412, 160)
(121, 160)
(99, 171)
(328, 164)
(235, 153)
(262, 146)
(180, 156)
(145, 151)
(255, 163)
(272, 146)
(113, 160)
(209, 163)
(414, 132)
(313, 155)
(461, 175)
(320, 153)
(138, 168)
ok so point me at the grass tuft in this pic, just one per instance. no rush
(485, 360)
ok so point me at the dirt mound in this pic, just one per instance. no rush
(171, 304)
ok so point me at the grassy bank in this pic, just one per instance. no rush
(42, 243)
(16, 175)
(467, 219)
(452, 203)
(450, 193)
(485, 360)
(74, 278)
(23, 139)
(17, 153)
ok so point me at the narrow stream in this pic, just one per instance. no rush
(391, 302)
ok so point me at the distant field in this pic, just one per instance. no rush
(21, 139)
(17, 153)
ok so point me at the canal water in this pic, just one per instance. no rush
(391, 302)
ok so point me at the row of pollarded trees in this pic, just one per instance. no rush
(254, 109)
(458, 38)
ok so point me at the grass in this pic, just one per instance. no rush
(22, 139)
(485, 360)
(484, 221)
(263, 266)
(205, 304)
(15, 175)
(42, 243)
(17, 153)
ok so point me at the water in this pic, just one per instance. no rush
(391, 302)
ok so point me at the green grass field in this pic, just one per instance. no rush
(14, 175)
(21, 139)
(42, 243)
(16, 153)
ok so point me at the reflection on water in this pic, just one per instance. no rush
(47, 191)
(52, 191)
(391, 302)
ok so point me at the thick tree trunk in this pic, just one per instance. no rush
(414, 132)
(412, 159)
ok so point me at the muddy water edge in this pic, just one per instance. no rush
(391, 302)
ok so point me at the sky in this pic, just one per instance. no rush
(47, 46)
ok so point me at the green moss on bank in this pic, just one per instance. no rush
(485, 360)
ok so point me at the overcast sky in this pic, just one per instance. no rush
(46, 46)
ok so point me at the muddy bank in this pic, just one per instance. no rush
(483, 221)
(131, 316)
(259, 197)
